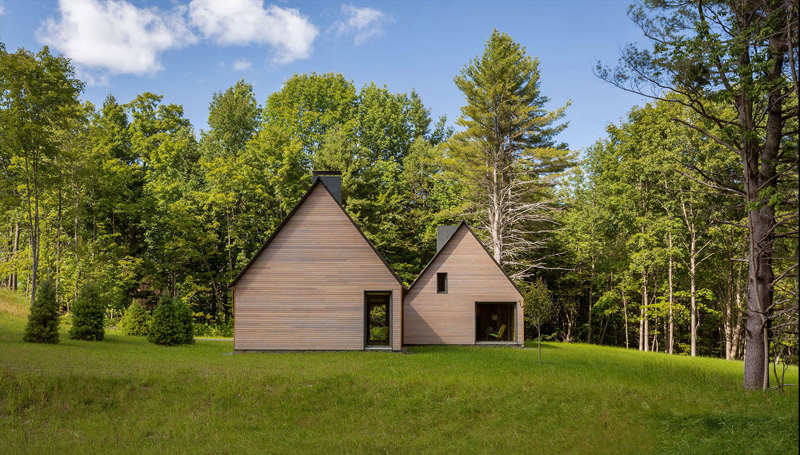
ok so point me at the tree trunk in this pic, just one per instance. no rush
(646, 325)
(693, 291)
(761, 221)
(671, 328)
(539, 337)
(591, 290)
(58, 245)
(625, 314)
(33, 220)
(15, 275)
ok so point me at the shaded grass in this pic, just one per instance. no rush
(125, 395)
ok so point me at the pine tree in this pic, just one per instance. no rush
(88, 315)
(43, 319)
(172, 323)
(136, 321)
(507, 151)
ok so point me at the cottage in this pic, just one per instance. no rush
(462, 296)
(318, 283)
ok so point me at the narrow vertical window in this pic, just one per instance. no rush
(441, 283)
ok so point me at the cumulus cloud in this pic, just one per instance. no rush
(242, 64)
(241, 22)
(360, 23)
(2, 10)
(115, 35)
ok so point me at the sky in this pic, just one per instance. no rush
(186, 50)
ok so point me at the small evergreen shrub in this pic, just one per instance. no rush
(136, 321)
(43, 319)
(88, 315)
(172, 323)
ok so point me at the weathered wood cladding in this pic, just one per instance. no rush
(306, 289)
(472, 276)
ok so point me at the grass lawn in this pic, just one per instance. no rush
(124, 395)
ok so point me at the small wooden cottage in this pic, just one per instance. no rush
(462, 296)
(318, 283)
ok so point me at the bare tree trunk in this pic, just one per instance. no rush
(539, 337)
(33, 220)
(591, 290)
(693, 293)
(76, 188)
(15, 275)
(58, 246)
(671, 342)
(625, 314)
(645, 302)
(737, 332)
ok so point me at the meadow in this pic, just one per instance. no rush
(127, 396)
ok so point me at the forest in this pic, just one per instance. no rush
(676, 232)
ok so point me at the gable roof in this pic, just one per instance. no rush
(464, 224)
(289, 216)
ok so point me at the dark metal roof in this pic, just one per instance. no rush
(289, 216)
(465, 225)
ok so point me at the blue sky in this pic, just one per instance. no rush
(186, 50)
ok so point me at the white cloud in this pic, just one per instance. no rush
(240, 22)
(242, 64)
(92, 79)
(115, 35)
(361, 23)
(2, 10)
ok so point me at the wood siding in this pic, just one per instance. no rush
(305, 291)
(472, 276)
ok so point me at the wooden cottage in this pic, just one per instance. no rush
(462, 296)
(318, 283)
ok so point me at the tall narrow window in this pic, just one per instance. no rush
(441, 283)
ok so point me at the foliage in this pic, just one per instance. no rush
(218, 330)
(172, 323)
(42, 326)
(136, 321)
(88, 315)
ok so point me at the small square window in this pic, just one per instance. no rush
(441, 283)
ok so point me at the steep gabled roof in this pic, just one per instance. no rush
(464, 224)
(289, 216)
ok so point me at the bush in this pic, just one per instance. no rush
(217, 330)
(88, 315)
(136, 321)
(43, 319)
(172, 323)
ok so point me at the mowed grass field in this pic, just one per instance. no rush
(124, 395)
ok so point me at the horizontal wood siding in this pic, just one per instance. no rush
(306, 289)
(472, 276)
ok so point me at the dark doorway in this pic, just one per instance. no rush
(377, 318)
(494, 322)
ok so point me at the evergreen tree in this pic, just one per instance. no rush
(507, 151)
(136, 321)
(172, 323)
(42, 324)
(88, 315)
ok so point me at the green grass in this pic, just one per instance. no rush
(124, 395)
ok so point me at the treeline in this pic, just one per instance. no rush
(127, 196)
(652, 253)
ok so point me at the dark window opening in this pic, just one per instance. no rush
(441, 283)
(494, 322)
(378, 318)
